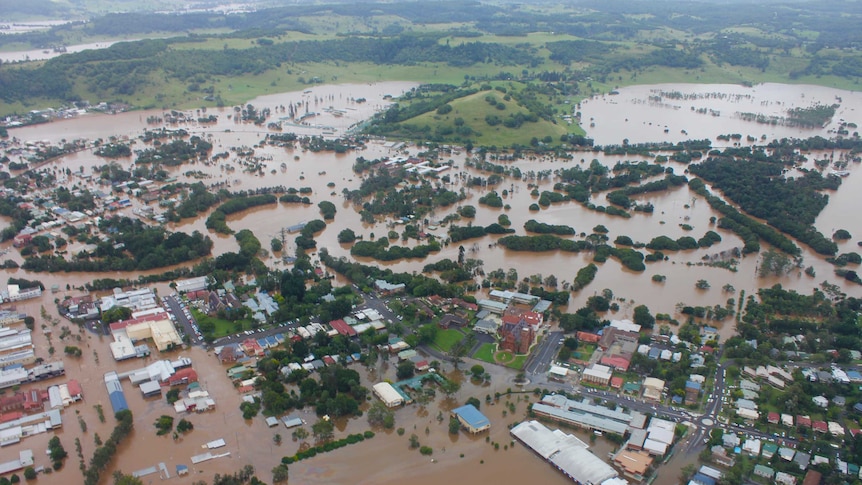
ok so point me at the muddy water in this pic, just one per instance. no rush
(338, 110)
(387, 459)
(643, 113)
(384, 459)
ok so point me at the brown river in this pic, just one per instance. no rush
(639, 114)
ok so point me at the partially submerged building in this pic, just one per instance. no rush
(565, 452)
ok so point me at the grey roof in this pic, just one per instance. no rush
(583, 406)
(566, 452)
(802, 459)
(581, 418)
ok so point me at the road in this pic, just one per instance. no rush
(541, 357)
(188, 324)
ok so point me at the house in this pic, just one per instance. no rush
(764, 471)
(769, 450)
(183, 376)
(485, 326)
(692, 391)
(803, 421)
(653, 388)
(229, 353)
(785, 478)
(802, 460)
(587, 337)
(820, 426)
(820, 401)
(633, 464)
(720, 456)
(618, 362)
(773, 418)
(730, 440)
(342, 328)
(450, 320)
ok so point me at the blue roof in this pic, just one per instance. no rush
(692, 385)
(701, 478)
(676, 399)
(473, 417)
(854, 375)
(654, 352)
(118, 401)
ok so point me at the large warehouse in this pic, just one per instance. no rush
(388, 394)
(566, 452)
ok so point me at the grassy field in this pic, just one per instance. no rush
(486, 353)
(475, 111)
(445, 339)
(585, 351)
(518, 362)
(222, 327)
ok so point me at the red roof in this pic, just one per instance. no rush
(512, 319)
(328, 360)
(532, 318)
(188, 375)
(616, 382)
(616, 361)
(588, 337)
(854, 431)
(820, 426)
(245, 389)
(6, 417)
(343, 328)
(464, 304)
(773, 417)
(803, 421)
(146, 318)
(74, 388)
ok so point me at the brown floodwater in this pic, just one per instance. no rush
(386, 458)
(338, 110)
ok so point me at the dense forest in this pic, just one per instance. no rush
(756, 180)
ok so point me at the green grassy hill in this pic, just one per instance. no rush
(503, 115)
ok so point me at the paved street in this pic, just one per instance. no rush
(187, 323)
(541, 357)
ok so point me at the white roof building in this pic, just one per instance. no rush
(567, 453)
(752, 446)
(388, 394)
(626, 325)
(749, 414)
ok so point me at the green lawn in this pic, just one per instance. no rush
(585, 351)
(474, 109)
(518, 363)
(485, 353)
(445, 339)
(222, 327)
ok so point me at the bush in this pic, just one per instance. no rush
(426, 450)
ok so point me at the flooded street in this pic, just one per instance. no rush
(634, 114)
